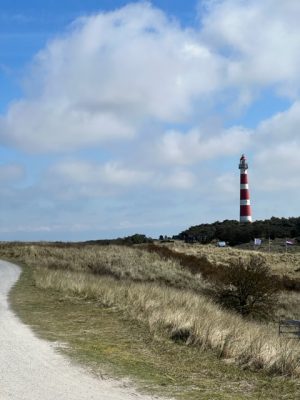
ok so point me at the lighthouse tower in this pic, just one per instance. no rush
(245, 207)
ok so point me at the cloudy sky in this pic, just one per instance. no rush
(119, 117)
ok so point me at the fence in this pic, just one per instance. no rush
(290, 327)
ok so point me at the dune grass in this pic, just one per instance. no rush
(149, 289)
(120, 262)
(184, 316)
(110, 343)
(281, 263)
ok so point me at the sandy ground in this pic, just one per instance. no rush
(30, 369)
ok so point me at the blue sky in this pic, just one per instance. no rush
(120, 117)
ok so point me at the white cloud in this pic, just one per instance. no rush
(178, 179)
(260, 38)
(227, 184)
(278, 167)
(282, 127)
(87, 173)
(108, 76)
(50, 126)
(276, 144)
(82, 178)
(184, 149)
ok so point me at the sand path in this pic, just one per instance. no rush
(31, 368)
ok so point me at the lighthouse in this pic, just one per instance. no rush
(245, 207)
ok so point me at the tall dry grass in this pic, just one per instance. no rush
(184, 315)
(149, 288)
(280, 263)
(288, 305)
(118, 261)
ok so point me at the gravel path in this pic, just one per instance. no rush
(30, 369)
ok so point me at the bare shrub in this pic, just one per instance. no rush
(246, 286)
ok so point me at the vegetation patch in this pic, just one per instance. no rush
(109, 342)
(135, 282)
(247, 287)
(210, 261)
(235, 233)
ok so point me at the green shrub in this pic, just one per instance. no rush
(247, 286)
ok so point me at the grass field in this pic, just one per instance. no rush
(280, 261)
(135, 325)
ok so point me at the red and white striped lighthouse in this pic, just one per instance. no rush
(245, 207)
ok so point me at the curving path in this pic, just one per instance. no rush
(30, 369)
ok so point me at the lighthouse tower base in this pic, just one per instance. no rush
(246, 219)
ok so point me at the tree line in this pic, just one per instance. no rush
(234, 232)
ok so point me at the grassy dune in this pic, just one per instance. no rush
(184, 316)
(281, 263)
(149, 288)
(119, 262)
(111, 343)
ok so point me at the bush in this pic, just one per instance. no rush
(247, 286)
